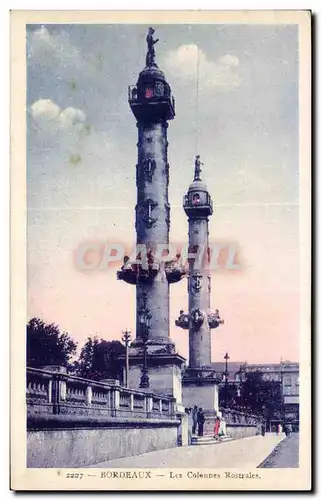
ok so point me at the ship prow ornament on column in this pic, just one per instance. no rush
(200, 381)
(152, 104)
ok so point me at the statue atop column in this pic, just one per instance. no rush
(198, 169)
(150, 56)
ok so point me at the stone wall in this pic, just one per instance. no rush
(238, 431)
(74, 422)
(93, 441)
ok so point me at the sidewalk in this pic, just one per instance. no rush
(285, 455)
(241, 453)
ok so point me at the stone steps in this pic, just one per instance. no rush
(204, 440)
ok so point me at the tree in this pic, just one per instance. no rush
(99, 359)
(262, 396)
(228, 392)
(47, 345)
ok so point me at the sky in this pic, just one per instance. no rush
(240, 114)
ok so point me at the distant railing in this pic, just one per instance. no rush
(238, 417)
(56, 393)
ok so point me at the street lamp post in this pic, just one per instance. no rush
(241, 375)
(282, 394)
(226, 357)
(126, 338)
(144, 327)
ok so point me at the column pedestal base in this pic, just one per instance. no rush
(200, 388)
(164, 371)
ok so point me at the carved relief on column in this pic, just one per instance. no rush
(149, 167)
(209, 284)
(197, 318)
(214, 318)
(166, 173)
(196, 282)
(167, 218)
(144, 214)
(196, 226)
(145, 171)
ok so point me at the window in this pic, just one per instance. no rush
(148, 92)
(196, 199)
(287, 390)
(159, 89)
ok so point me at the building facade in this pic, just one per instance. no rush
(287, 373)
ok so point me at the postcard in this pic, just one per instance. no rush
(161, 250)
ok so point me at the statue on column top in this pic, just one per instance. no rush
(198, 169)
(150, 56)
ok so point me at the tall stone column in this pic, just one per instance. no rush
(152, 221)
(199, 294)
(152, 104)
(200, 382)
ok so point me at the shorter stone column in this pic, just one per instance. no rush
(50, 391)
(62, 390)
(115, 401)
(89, 395)
(57, 387)
(149, 405)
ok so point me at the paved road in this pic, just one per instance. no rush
(241, 453)
(285, 455)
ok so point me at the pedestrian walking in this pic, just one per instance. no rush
(194, 418)
(217, 425)
(263, 429)
(200, 421)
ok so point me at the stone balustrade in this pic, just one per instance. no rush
(56, 393)
(239, 418)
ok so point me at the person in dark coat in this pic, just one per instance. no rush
(200, 421)
(194, 417)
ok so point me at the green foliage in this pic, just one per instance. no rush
(262, 396)
(46, 345)
(228, 395)
(255, 395)
(99, 359)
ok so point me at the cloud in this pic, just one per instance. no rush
(56, 130)
(49, 117)
(44, 110)
(46, 48)
(221, 74)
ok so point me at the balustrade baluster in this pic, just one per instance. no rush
(89, 395)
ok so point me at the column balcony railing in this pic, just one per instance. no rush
(200, 204)
(159, 93)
